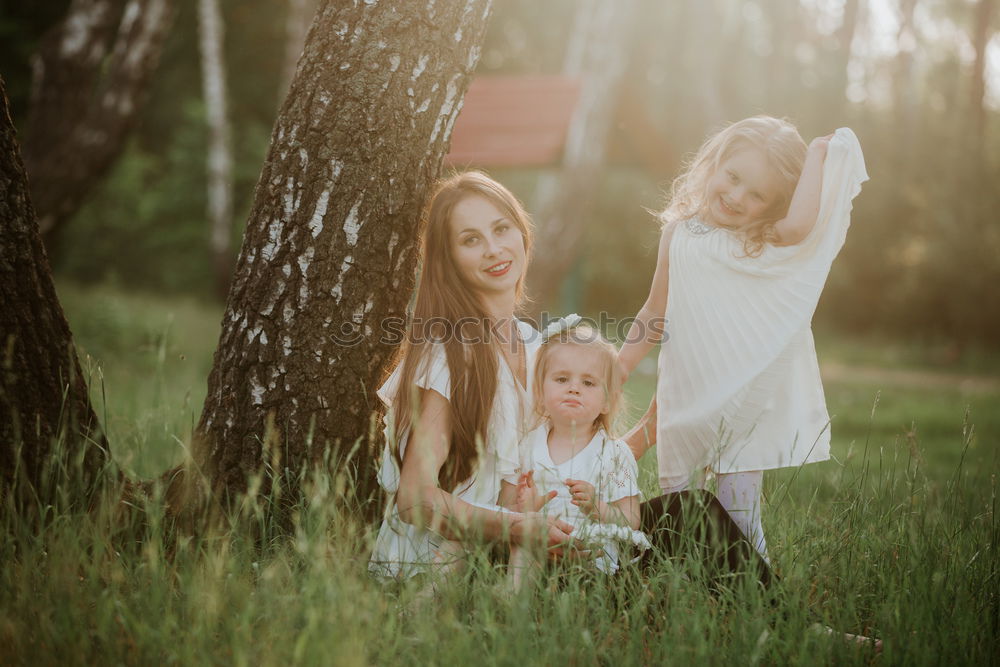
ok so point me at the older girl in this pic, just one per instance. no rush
(748, 239)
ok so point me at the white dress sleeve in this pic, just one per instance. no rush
(843, 173)
(620, 472)
(432, 373)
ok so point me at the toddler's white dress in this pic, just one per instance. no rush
(606, 463)
(402, 550)
(738, 384)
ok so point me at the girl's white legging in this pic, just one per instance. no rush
(739, 493)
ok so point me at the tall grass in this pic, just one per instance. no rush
(892, 538)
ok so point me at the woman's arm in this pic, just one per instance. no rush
(648, 327)
(624, 512)
(423, 503)
(804, 207)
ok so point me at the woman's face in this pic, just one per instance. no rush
(486, 246)
(742, 189)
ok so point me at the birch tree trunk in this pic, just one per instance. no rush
(43, 396)
(220, 155)
(89, 81)
(842, 60)
(981, 32)
(329, 254)
(300, 15)
(597, 54)
(905, 85)
(781, 65)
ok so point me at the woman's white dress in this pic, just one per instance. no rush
(738, 384)
(402, 550)
(606, 463)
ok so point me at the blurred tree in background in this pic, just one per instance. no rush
(918, 80)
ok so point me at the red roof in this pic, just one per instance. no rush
(513, 121)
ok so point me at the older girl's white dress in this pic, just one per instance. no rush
(606, 463)
(738, 385)
(402, 550)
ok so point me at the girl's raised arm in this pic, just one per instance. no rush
(804, 207)
(422, 502)
(649, 324)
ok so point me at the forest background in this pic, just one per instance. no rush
(923, 256)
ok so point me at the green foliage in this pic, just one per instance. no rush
(923, 254)
(147, 362)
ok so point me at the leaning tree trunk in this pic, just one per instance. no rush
(329, 254)
(597, 54)
(90, 78)
(43, 396)
(297, 22)
(220, 154)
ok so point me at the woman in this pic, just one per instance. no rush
(460, 392)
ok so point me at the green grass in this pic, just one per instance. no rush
(898, 535)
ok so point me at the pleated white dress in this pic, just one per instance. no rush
(402, 550)
(738, 385)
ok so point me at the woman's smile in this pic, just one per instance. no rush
(499, 269)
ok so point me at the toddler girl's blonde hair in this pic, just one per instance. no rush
(785, 151)
(585, 336)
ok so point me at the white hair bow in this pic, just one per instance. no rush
(556, 327)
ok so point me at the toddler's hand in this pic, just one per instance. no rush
(583, 495)
(528, 499)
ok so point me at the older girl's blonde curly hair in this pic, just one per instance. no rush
(785, 151)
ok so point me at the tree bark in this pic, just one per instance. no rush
(300, 14)
(90, 78)
(43, 396)
(597, 54)
(328, 257)
(220, 154)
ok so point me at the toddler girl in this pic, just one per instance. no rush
(572, 467)
(748, 238)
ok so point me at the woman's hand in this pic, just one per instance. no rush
(532, 527)
(528, 499)
(584, 495)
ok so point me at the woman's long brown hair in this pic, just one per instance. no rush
(443, 299)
